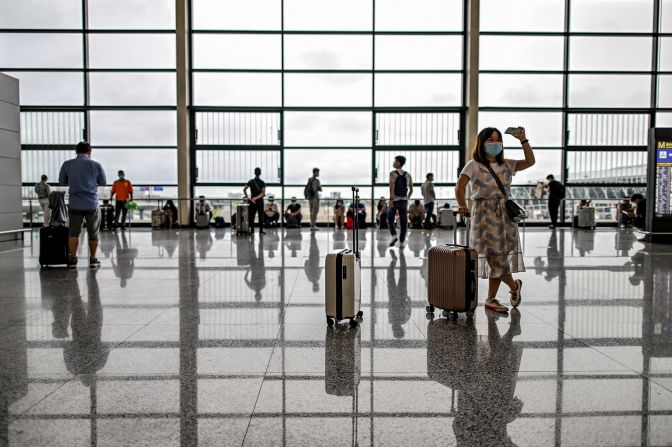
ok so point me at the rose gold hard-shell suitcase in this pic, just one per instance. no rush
(451, 279)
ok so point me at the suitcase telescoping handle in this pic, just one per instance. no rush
(467, 223)
(355, 224)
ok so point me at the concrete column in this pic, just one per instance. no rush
(183, 130)
(473, 30)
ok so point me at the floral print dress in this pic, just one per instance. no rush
(493, 235)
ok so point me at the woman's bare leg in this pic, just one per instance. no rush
(493, 287)
(509, 281)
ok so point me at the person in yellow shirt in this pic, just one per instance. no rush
(123, 189)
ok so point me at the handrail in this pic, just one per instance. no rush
(537, 208)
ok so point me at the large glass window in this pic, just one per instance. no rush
(634, 16)
(328, 129)
(618, 91)
(36, 14)
(522, 15)
(237, 51)
(108, 78)
(247, 15)
(521, 90)
(112, 89)
(237, 89)
(610, 53)
(328, 90)
(321, 67)
(21, 50)
(132, 51)
(328, 52)
(132, 14)
(327, 15)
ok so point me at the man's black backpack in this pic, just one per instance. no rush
(560, 188)
(401, 185)
(308, 190)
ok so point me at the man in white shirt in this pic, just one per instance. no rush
(429, 197)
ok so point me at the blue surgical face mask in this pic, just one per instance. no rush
(494, 149)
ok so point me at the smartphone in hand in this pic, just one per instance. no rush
(514, 130)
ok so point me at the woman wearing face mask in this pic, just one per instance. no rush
(494, 235)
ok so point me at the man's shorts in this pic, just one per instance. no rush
(78, 217)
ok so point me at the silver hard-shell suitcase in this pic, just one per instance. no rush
(243, 220)
(343, 294)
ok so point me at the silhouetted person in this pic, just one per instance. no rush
(312, 264)
(125, 260)
(556, 192)
(399, 305)
(488, 402)
(255, 276)
(203, 243)
(86, 354)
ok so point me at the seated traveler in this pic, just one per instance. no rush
(381, 215)
(416, 214)
(271, 212)
(625, 211)
(361, 213)
(293, 214)
(170, 211)
(339, 213)
(203, 207)
(638, 215)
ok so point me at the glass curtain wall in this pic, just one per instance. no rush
(289, 85)
(102, 70)
(587, 78)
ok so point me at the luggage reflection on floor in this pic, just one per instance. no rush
(342, 367)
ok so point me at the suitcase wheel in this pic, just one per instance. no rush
(330, 321)
(429, 316)
(429, 309)
(470, 315)
(353, 322)
(451, 316)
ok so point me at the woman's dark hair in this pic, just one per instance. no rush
(401, 159)
(637, 196)
(479, 151)
(83, 148)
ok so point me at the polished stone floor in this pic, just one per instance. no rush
(199, 338)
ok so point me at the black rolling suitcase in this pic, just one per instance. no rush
(54, 245)
(54, 237)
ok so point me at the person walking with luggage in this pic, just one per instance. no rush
(494, 235)
(123, 189)
(556, 192)
(429, 196)
(312, 194)
(43, 190)
(83, 176)
(401, 188)
(257, 188)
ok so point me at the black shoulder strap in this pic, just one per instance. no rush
(497, 180)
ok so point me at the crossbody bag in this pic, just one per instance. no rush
(516, 212)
